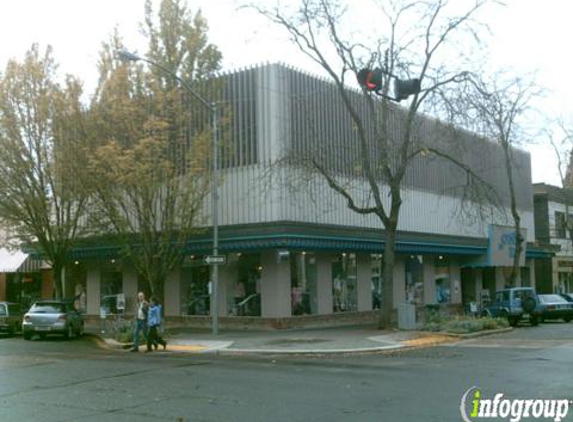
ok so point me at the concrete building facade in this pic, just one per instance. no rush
(294, 248)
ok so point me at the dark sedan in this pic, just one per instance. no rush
(52, 317)
(555, 307)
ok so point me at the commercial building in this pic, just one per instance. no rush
(553, 227)
(296, 251)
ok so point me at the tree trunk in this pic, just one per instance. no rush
(515, 275)
(57, 279)
(387, 303)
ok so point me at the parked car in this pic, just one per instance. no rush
(10, 317)
(52, 317)
(555, 307)
(515, 304)
(567, 296)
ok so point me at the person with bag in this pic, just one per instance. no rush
(153, 323)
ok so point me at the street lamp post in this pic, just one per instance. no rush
(212, 107)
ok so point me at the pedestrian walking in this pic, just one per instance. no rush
(141, 311)
(154, 322)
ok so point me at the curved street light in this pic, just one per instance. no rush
(127, 56)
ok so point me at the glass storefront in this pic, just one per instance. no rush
(195, 299)
(23, 288)
(304, 299)
(414, 279)
(247, 289)
(377, 274)
(442, 280)
(344, 287)
(111, 285)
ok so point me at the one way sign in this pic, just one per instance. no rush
(216, 259)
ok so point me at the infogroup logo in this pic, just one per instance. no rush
(474, 407)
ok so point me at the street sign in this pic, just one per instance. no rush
(216, 259)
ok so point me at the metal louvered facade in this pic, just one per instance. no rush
(277, 110)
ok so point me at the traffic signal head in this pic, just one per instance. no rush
(370, 79)
(404, 88)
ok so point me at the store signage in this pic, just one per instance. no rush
(501, 247)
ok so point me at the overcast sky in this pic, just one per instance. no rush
(531, 35)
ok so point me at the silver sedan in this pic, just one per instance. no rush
(52, 317)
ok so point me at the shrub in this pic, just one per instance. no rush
(465, 324)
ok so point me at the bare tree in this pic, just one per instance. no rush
(494, 107)
(384, 155)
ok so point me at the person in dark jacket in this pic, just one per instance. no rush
(153, 323)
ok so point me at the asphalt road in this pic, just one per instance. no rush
(58, 380)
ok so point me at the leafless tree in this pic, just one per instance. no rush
(494, 106)
(384, 155)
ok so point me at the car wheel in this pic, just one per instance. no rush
(567, 319)
(27, 336)
(42, 336)
(534, 321)
(70, 333)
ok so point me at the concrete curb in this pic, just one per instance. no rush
(478, 334)
(231, 351)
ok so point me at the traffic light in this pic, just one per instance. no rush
(370, 79)
(404, 88)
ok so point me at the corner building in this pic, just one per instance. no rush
(296, 255)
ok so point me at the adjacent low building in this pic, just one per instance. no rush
(553, 229)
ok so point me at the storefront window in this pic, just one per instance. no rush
(111, 286)
(247, 289)
(415, 279)
(344, 283)
(443, 280)
(377, 266)
(24, 288)
(195, 276)
(303, 284)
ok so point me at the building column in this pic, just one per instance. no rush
(531, 266)
(129, 288)
(429, 280)
(455, 284)
(399, 281)
(93, 291)
(172, 293)
(324, 284)
(227, 278)
(363, 282)
(275, 286)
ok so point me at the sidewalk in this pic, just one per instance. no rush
(340, 340)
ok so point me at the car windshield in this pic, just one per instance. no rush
(2, 310)
(552, 299)
(48, 308)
